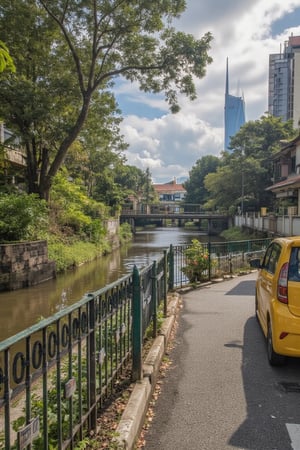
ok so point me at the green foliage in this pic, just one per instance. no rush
(197, 261)
(72, 255)
(125, 233)
(244, 174)
(37, 406)
(22, 217)
(6, 62)
(234, 234)
(73, 210)
(62, 81)
(195, 187)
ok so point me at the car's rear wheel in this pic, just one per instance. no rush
(274, 358)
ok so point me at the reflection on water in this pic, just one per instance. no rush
(22, 308)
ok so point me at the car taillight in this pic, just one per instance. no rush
(282, 287)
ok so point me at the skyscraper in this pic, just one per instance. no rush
(284, 82)
(234, 113)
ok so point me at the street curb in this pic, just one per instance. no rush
(134, 414)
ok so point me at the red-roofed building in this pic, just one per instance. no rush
(170, 192)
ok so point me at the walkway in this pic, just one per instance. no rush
(220, 392)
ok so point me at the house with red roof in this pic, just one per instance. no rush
(170, 192)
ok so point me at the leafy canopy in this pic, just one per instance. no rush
(242, 175)
(195, 187)
(67, 56)
(6, 62)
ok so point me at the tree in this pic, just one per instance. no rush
(99, 150)
(135, 182)
(68, 56)
(6, 62)
(245, 172)
(195, 187)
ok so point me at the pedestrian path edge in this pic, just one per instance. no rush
(134, 414)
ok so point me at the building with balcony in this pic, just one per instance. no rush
(284, 82)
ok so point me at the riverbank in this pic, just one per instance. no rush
(70, 255)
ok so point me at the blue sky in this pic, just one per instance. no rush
(289, 20)
(246, 32)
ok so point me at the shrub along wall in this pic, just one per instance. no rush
(24, 264)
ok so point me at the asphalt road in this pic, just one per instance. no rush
(220, 392)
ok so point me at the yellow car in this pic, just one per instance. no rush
(277, 299)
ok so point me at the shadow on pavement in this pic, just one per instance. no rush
(270, 402)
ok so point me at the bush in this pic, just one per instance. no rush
(197, 261)
(22, 217)
(125, 233)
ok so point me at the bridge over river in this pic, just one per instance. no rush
(162, 214)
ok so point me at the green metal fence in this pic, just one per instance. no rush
(56, 375)
(225, 258)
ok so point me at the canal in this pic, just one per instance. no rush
(22, 308)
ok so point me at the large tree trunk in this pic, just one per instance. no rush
(47, 170)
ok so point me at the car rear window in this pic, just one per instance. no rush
(271, 257)
(294, 265)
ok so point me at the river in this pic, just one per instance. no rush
(22, 308)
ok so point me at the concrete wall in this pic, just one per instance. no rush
(271, 224)
(24, 264)
(112, 227)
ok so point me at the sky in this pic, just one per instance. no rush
(245, 32)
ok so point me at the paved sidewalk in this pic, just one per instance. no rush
(134, 415)
(220, 391)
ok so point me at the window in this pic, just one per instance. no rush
(294, 265)
(292, 165)
(271, 257)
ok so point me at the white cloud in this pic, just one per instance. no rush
(171, 144)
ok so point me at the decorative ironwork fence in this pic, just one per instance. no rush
(55, 375)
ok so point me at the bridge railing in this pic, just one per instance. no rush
(56, 375)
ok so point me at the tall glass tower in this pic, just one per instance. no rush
(234, 113)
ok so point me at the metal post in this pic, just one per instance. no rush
(209, 258)
(56, 338)
(45, 389)
(136, 327)
(165, 282)
(6, 377)
(92, 363)
(209, 249)
(154, 298)
(171, 268)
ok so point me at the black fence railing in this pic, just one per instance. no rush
(56, 375)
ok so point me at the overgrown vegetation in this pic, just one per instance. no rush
(72, 223)
(234, 234)
(22, 217)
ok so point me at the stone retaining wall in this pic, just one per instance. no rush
(24, 264)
